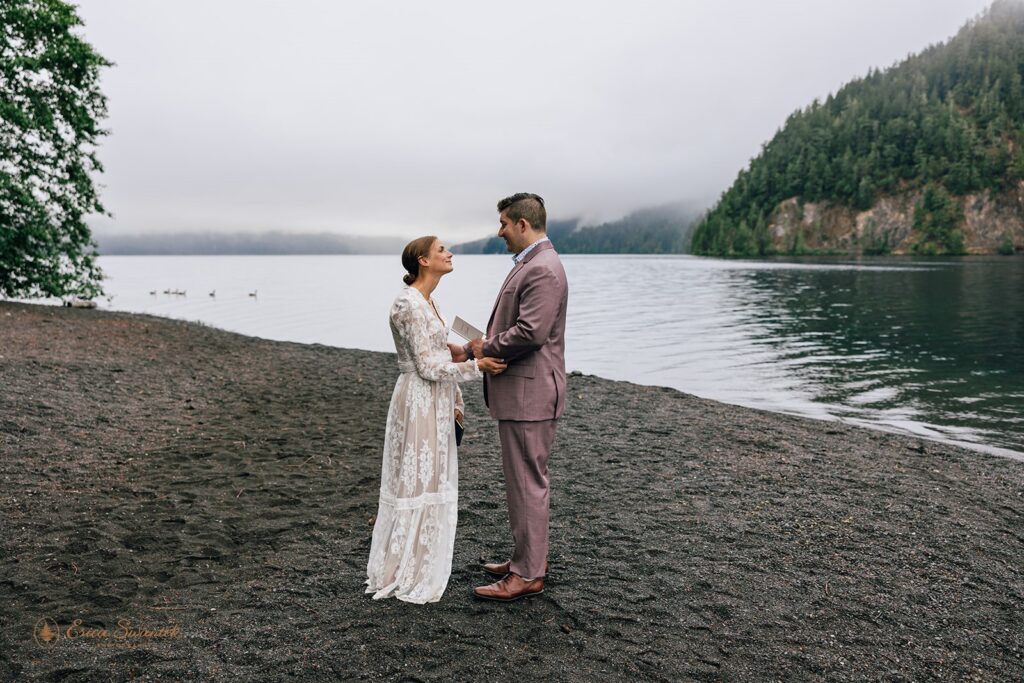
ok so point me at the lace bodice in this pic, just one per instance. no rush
(421, 340)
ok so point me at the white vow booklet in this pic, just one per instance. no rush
(465, 330)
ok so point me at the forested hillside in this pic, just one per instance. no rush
(922, 157)
(661, 230)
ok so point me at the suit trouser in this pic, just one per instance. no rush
(525, 448)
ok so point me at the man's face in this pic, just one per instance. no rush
(513, 233)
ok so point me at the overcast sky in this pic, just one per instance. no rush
(400, 118)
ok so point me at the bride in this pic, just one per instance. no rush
(414, 534)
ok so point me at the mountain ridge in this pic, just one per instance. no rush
(663, 229)
(939, 132)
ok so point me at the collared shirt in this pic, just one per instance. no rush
(521, 255)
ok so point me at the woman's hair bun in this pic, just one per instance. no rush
(411, 255)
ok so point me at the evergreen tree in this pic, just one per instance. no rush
(936, 217)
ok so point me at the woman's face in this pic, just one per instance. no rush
(439, 260)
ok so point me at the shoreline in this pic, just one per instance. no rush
(985, 449)
(979, 447)
(220, 487)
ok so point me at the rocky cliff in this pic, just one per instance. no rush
(990, 222)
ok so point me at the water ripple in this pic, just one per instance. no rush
(896, 344)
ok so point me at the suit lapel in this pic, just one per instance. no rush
(508, 278)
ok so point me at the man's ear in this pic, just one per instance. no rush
(525, 223)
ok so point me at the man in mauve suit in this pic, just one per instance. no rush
(527, 331)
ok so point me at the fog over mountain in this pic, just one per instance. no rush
(219, 243)
(403, 118)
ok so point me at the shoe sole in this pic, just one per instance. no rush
(518, 597)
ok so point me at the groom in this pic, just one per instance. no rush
(527, 331)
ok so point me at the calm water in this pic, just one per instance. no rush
(929, 347)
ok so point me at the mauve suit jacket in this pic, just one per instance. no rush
(527, 330)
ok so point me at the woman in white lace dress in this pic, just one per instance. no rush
(414, 534)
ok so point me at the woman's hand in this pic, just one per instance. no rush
(458, 415)
(458, 353)
(492, 366)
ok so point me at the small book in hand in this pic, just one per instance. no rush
(465, 330)
(459, 431)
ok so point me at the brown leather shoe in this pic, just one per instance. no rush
(503, 568)
(510, 588)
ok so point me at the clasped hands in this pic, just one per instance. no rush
(492, 366)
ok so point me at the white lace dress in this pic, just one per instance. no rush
(414, 535)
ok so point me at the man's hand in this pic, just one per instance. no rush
(492, 366)
(458, 353)
(478, 348)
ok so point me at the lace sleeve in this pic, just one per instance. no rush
(413, 326)
(459, 403)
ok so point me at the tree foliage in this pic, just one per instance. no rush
(50, 109)
(936, 217)
(950, 117)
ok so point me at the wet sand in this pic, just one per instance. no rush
(218, 490)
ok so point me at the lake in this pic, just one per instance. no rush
(930, 347)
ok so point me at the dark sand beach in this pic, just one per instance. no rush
(218, 490)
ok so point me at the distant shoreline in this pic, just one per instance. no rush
(975, 446)
(776, 257)
(244, 244)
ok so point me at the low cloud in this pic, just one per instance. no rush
(402, 118)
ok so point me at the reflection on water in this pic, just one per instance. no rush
(929, 347)
(934, 348)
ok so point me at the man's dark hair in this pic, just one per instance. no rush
(525, 205)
